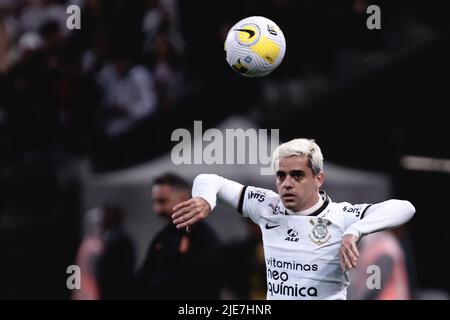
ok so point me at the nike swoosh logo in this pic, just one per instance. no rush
(271, 227)
(251, 33)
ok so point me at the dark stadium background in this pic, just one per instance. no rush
(368, 97)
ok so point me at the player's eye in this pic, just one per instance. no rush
(297, 175)
(281, 175)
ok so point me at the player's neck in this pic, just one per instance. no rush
(311, 209)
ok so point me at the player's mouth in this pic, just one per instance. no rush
(288, 196)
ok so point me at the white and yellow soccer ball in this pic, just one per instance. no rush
(255, 46)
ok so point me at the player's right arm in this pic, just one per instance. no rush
(205, 191)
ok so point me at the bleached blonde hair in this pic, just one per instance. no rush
(299, 147)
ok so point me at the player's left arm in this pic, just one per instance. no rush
(381, 216)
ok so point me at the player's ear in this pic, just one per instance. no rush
(320, 177)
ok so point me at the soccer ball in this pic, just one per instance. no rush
(255, 46)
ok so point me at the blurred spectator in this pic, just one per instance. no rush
(163, 49)
(94, 57)
(37, 12)
(168, 76)
(117, 262)
(105, 257)
(30, 97)
(88, 255)
(79, 106)
(161, 17)
(128, 94)
(4, 46)
(179, 264)
(128, 103)
(383, 250)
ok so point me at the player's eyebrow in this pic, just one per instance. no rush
(291, 173)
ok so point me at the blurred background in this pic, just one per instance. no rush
(86, 118)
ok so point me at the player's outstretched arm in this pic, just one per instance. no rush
(381, 216)
(205, 190)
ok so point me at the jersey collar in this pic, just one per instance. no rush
(326, 201)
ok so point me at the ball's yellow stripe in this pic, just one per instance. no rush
(266, 49)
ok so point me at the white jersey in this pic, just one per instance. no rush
(301, 252)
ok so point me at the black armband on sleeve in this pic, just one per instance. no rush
(241, 200)
(364, 212)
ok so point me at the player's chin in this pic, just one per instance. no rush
(289, 203)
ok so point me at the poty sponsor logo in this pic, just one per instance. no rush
(355, 209)
(235, 146)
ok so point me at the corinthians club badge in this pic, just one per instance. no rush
(319, 233)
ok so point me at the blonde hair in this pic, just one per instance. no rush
(300, 147)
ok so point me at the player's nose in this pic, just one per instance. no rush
(287, 183)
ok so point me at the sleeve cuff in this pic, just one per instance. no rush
(209, 199)
(353, 232)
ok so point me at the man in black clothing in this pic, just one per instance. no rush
(116, 263)
(180, 264)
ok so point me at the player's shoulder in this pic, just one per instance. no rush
(260, 195)
(257, 202)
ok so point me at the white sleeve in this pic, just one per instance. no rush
(381, 216)
(211, 186)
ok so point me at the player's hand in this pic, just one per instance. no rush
(348, 253)
(189, 212)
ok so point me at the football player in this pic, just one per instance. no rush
(310, 242)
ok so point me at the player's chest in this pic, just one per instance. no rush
(293, 231)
